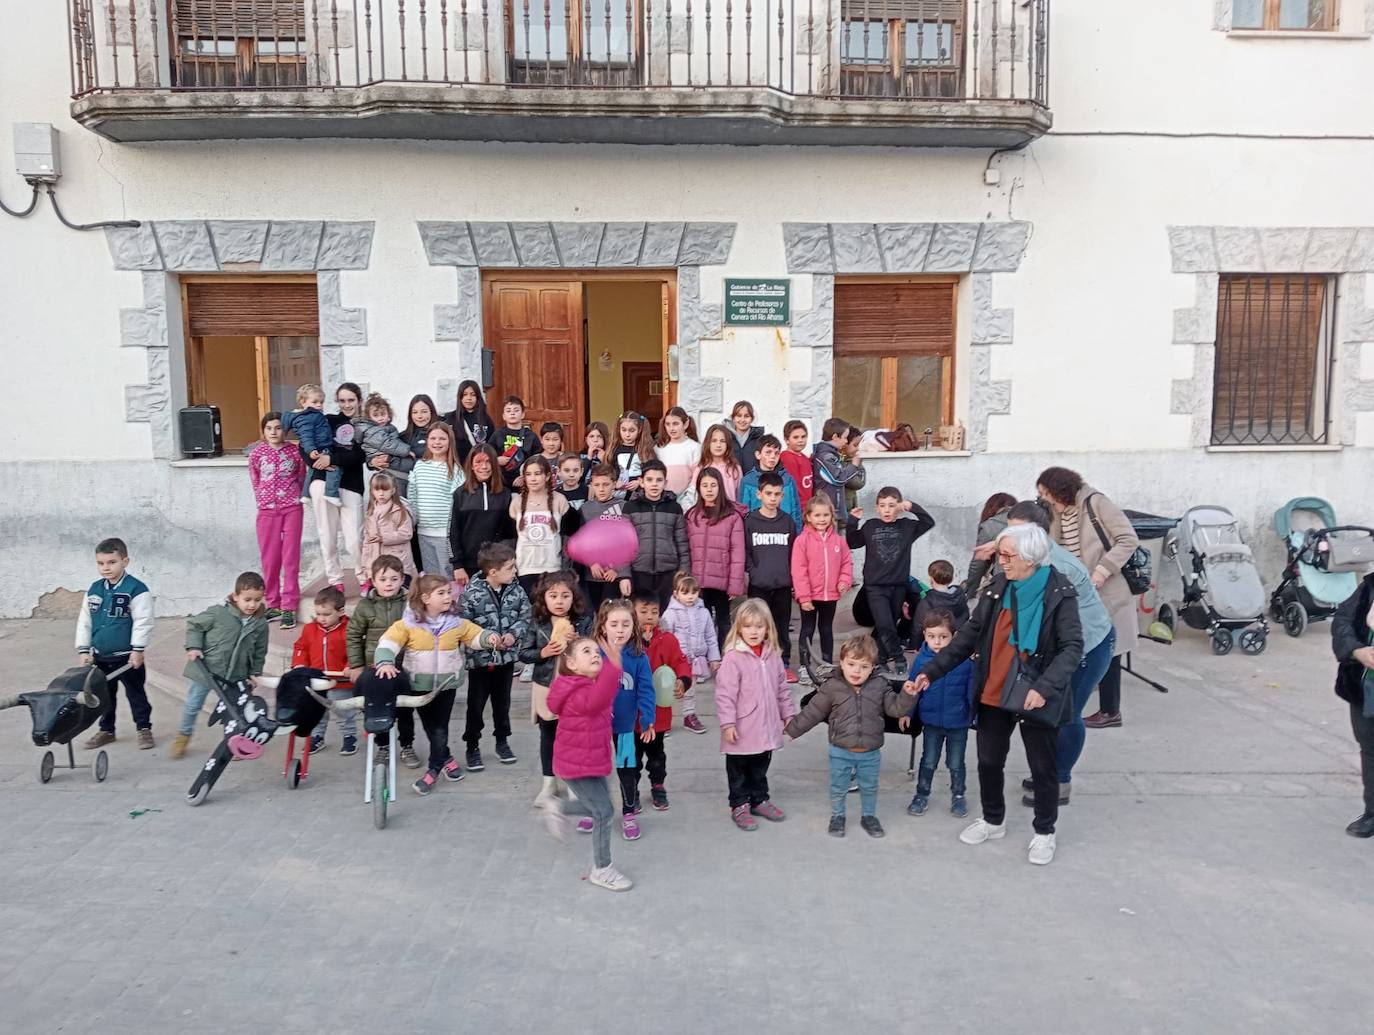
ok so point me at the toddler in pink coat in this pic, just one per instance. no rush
(753, 704)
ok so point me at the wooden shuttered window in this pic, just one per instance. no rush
(252, 307)
(894, 352)
(1271, 379)
(232, 19)
(882, 319)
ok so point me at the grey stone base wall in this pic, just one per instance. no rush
(189, 553)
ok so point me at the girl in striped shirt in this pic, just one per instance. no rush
(433, 481)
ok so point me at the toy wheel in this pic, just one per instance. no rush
(1167, 616)
(101, 769)
(1294, 619)
(1222, 642)
(198, 794)
(380, 796)
(1253, 641)
(45, 767)
(293, 776)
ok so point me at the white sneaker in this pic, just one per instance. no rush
(527, 674)
(1041, 850)
(554, 821)
(547, 793)
(333, 501)
(611, 879)
(981, 830)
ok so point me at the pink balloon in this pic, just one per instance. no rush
(609, 542)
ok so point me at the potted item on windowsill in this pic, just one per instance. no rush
(951, 437)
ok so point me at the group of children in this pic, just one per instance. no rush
(467, 579)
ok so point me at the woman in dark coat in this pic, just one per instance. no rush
(471, 423)
(1026, 622)
(1352, 636)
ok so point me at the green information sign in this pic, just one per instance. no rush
(758, 303)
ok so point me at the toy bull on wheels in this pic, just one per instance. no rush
(67, 708)
(249, 725)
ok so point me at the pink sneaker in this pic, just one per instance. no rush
(740, 814)
(768, 811)
(631, 828)
(584, 825)
(691, 722)
(364, 587)
(791, 676)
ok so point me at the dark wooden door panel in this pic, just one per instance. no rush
(535, 332)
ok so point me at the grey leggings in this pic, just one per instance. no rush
(594, 800)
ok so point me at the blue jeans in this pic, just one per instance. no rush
(195, 700)
(348, 721)
(846, 765)
(332, 478)
(1090, 672)
(955, 743)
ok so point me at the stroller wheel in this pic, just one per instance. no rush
(1253, 641)
(45, 767)
(1294, 619)
(1222, 642)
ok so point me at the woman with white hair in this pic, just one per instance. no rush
(1028, 640)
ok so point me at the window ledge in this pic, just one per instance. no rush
(237, 460)
(1295, 34)
(915, 454)
(1274, 449)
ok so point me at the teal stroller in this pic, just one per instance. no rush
(1324, 561)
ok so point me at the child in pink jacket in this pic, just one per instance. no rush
(277, 472)
(715, 537)
(581, 695)
(753, 704)
(822, 570)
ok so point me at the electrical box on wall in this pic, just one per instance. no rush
(36, 155)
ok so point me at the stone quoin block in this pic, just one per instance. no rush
(494, 244)
(904, 245)
(447, 244)
(807, 246)
(1284, 248)
(1193, 249)
(814, 328)
(185, 246)
(952, 248)
(238, 240)
(855, 247)
(133, 248)
(1000, 247)
(345, 246)
(1238, 249)
(1327, 249)
(620, 244)
(534, 244)
(292, 246)
(706, 244)
(662, 242)
(579, 243)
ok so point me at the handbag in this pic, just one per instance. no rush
(1021, 682)
(1137, 571)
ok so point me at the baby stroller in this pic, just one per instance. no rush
(1222, 592)
(67, 708)
(1324, 560)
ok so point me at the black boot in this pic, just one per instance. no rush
(957, 805)
(1362, 827)
(924, 778)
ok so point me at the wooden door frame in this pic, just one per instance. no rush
(665, 277)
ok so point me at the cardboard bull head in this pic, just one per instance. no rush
(67, 708)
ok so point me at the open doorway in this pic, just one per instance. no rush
(579, 347)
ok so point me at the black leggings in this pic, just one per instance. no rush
(717, 601)
(488, 682)
(434, 718)
(825, 612)
(1109, 688)
(548, 730)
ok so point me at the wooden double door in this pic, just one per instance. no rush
(536, 332)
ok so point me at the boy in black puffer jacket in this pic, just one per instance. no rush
(854, 702)
(494, 601)
(662, 530)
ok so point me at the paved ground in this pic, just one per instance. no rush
(1203, 885)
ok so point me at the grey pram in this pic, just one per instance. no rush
(1222, 592)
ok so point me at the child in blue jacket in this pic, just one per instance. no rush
(616, 629)
(946, 710)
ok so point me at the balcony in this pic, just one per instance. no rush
(959, 73)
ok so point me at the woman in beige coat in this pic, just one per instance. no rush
(1093, 528)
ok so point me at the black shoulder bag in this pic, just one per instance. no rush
(1137, 569)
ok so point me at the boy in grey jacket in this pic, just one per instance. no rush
(854, 701)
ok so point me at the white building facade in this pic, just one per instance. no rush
(1140, 244)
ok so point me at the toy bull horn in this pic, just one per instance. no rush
(415, 700)
(11, 701)
(316, 687)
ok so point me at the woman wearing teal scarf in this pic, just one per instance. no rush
(1024, 624)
